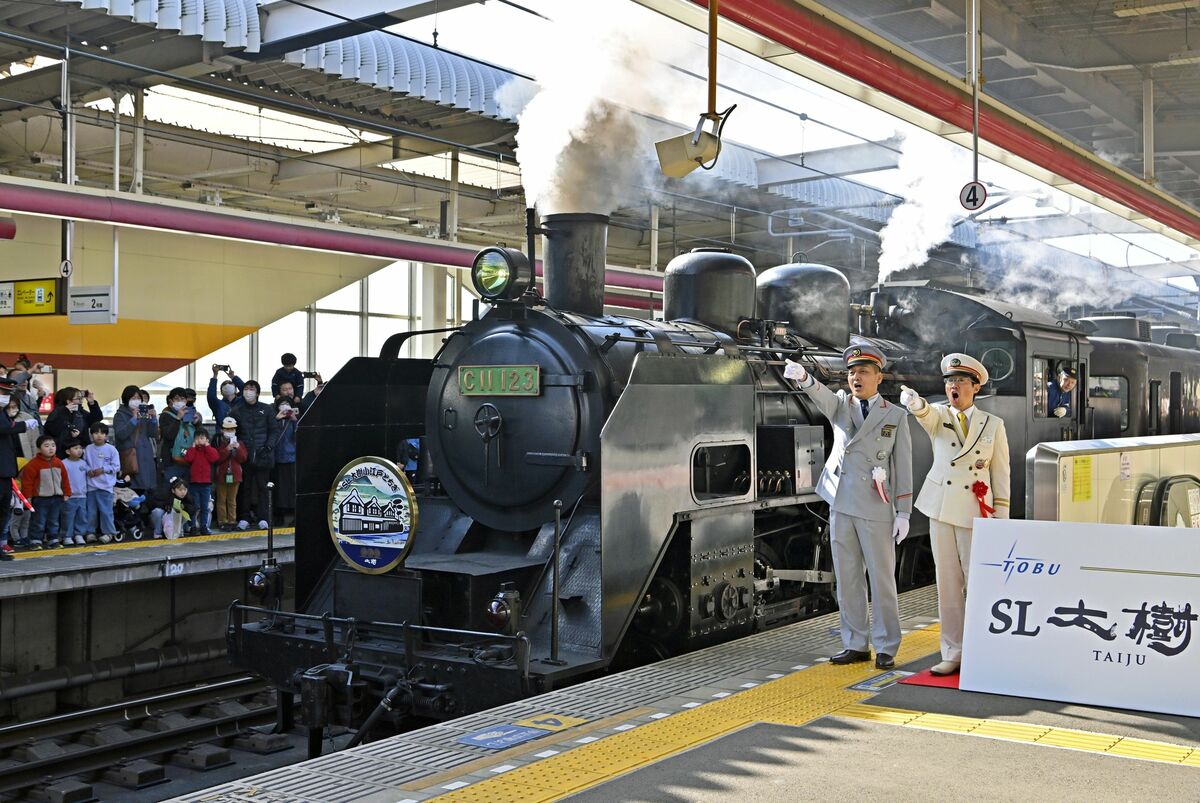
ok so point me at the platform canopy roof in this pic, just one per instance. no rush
(347, 111)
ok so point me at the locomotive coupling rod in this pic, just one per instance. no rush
(554, 659)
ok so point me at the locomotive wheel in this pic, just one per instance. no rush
(914, 564)
(661, 611)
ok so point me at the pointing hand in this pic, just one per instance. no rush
(795, 371)
(911, 399)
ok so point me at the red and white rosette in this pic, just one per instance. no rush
(980, 490)
(879, 477)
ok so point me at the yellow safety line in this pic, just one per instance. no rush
(795, 699)
(1068, 738)
(146, 542)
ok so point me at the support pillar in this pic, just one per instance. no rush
(433, 308)
(1148, 127)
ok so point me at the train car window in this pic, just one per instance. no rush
(1042, 374)
(1111, 387)
(721, 471)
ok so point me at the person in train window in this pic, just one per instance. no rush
(1059, 390)
(969, 479)
(867, 482)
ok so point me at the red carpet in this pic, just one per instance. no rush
(926, 678)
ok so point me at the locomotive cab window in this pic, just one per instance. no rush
(720, 471)
(1109, 397)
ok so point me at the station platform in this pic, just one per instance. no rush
(763, 718)
(53, 571)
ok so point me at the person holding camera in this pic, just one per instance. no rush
(258, 428)
(287, 373)
(284, 473)
(74, 413)
(135, 428)
(10, 429)
(222, 402)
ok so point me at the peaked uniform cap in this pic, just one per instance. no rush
(864, 354)
(959, 364)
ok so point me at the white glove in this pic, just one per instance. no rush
(1059, 412)
(900, 530)
(32, 424)
(911, 399)
(795, 371)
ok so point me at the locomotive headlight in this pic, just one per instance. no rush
(501, 273)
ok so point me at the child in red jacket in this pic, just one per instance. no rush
(44, 483)
(200, 457)
(228, 473)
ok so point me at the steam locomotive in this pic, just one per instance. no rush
(588, 491)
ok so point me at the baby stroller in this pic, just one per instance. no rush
(130, 513)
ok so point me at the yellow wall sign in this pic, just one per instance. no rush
(1081, 486)
(31, 297)
(551, 722)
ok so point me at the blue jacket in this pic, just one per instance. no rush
(217, 403)
(285, 452)
(1057, 397)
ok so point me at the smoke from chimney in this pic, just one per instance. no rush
(581, 145)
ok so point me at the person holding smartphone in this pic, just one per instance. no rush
(135, 428)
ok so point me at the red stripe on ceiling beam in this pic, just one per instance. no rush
(827, 43)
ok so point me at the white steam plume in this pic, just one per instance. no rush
(581, 145)
(931, 172)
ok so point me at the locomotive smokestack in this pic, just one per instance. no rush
(573, 261)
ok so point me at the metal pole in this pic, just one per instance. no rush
(654, 213)
(1148, 127)
(139, 140)
(452, 216)
(116, 235)
(554, 583)
(68, 151)
(975, 51)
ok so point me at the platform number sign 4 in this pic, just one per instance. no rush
(973, 195)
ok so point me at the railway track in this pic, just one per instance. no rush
(129, 744)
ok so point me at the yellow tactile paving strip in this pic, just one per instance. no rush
(1086, 741)
(796, 699)
(147, 542)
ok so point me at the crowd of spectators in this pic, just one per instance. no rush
(76, 479)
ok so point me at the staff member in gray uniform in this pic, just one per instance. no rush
(867, 482)
(968, 479)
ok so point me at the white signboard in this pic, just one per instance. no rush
(90, 304)
(6, 298)
(1102, 614)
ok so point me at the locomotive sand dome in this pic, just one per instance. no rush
(710, 286)
(813, 299)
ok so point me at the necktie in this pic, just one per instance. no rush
(866, 408)
(962, 422)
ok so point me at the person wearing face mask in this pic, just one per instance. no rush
(178, 416)
(258, 428)
(9, 430)
(969, 479)
(27, 440)
(223, 395)
(284, 473)
(72, 416)
(135, 428)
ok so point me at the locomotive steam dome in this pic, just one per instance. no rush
(814, 299)
(710, 286)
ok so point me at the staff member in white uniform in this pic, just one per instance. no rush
(968, 479)
(867, 482)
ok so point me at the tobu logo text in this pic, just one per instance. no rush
(1016, 564)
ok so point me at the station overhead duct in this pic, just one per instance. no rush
(1138, 8)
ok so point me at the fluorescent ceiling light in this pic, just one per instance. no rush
(1137, 8)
